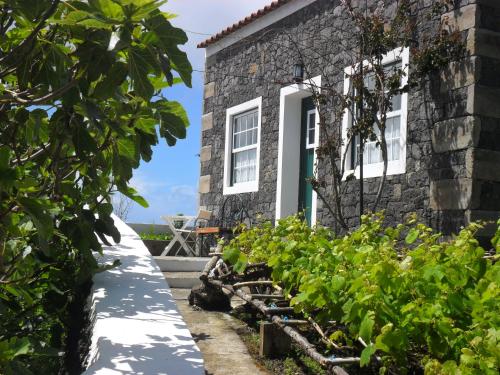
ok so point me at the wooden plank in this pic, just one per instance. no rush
(208, 230)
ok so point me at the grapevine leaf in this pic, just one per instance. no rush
(241, 264)
(366, 355)
(366, 328)
(412, 236)
(231, 255)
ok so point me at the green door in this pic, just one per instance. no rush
(307, 143)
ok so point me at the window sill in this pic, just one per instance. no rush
(247, 187)
(376, 170)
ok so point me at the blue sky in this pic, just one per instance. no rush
(170, 181)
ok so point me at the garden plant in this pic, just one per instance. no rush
(416, 300)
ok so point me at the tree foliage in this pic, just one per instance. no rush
(81, 105)
(417, 300)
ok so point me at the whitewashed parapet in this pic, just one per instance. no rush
(138, 328)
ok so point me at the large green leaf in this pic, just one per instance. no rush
(366, 355)
(138, 67)
(127, 148)
(83, 141)
(40, 215)
(109, 8)
(170, 37)
(132, 194)
(412, 236)
(144, 8)
(87, 19)
(112, 81)
(173, 119)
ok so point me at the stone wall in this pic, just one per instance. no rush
(453, 136)
(475, 132)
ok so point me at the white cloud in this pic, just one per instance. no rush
(145, 185)
(163, 199)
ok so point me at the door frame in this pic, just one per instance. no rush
(288, 157)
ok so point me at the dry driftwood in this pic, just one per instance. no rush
(310, 349)
(258, 304)
(295, 322)
(325, 339)
(266, 296)
(301, 341)
(332, 363)
(208, 267)
(253, 283)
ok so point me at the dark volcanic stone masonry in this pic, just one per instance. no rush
(453, 133)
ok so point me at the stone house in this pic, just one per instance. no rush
(259, 130)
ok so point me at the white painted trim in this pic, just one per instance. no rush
(257, 25)
(288, 144)
(308, 144)
(250, 186)
(396, 166)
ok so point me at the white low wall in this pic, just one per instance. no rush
(138, 329)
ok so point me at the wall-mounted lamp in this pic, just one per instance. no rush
(298, 73)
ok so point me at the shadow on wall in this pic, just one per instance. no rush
(138, 329)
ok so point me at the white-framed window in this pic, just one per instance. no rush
(396, 125)
(242, 148)
(311, 129)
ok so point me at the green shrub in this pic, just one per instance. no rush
(405, 290)
(156, 236)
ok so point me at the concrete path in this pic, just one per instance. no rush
(215, 334)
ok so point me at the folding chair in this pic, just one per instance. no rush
(186, 236)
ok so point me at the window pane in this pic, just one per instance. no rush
(396, 102)
(311, 120)
(243, 124)
(311, 136)
(372, 153)
(244, 166)
(392, 69)
(395, 149)
(389, 124)
(245, 129)
(369, 81)
(396, 130)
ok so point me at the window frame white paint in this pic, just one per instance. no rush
(290, 113)
(394, 167)
(244, 187)
(310, 144)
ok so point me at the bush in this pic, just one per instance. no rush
(411, 295)
(156, 236)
